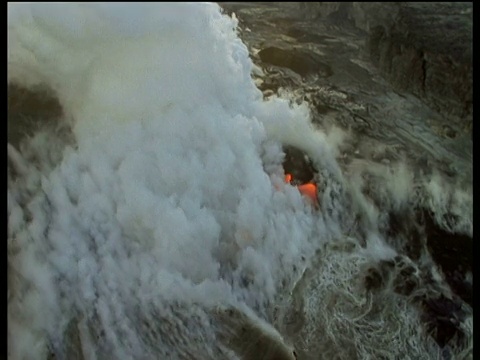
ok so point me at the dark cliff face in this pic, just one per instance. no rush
(422, 48)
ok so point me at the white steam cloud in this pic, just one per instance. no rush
(167, 200)
(163, 194)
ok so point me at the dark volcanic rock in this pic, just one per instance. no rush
(443, 317)
(29, 109)
(302, 36)
(423, 48)
(454, 254)
(301, 62)
(427, 50)
(298, 164)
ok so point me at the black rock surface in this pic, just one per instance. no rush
(424, 48)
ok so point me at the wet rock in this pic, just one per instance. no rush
(401, 271)
(404, 224)
(406, 280)
(373, 279)
(442, 317)
(301, 62)
(454, 255)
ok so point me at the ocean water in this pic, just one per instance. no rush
(148, 217)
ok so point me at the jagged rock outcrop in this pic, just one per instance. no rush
(422, 48)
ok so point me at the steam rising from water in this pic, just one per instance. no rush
(163, 201)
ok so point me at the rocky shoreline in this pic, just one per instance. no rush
(423, 52)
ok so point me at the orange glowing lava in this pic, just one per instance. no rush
(308, 190)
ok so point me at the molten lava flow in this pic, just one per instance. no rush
(288, 178)
(308, 190)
